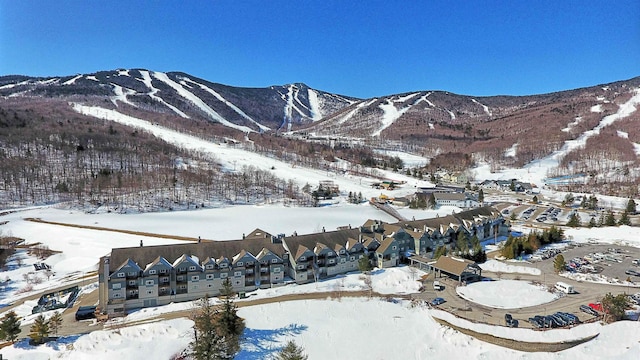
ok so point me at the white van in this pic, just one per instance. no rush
(436, 285)
(565, 288)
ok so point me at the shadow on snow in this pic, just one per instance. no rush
(263, 343)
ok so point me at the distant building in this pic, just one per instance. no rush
(455, 199)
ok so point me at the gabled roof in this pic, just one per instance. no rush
(242, 254)
(258, 234)
(266, 252)
(319, 248)
(301, 251)
(453, 265)
(188, 259)
(385, 245)
(128, 263)
(158, 261)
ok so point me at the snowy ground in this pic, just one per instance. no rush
(392, 330)
(506, 294)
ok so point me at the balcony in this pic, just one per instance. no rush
(164, 291)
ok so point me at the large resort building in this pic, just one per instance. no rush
(144, 276)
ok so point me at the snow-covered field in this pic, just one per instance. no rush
(392, 330)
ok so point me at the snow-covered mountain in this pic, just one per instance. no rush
(185, 96)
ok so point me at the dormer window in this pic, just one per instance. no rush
(152, 272)
(303, 258)
(192, 268)
(239, 263)
(274, 261)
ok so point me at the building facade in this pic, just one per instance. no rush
(131, 278)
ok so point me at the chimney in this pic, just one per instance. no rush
(323, 229)
(243, 236)
(140, 243)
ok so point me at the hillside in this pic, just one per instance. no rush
(60, 141)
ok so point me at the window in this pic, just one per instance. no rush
(223, 265)
(303, 258)
(116, 286)
(330, 253)
(223, 275)
(163, 271)
(237, 273)
(195, 278)
(276, 270)
(149, 292)
(132, 283)
(132, 273)
(332, 261)
(192, 268)
(116, 295)
(274, 261)
(148, 282)
(394, 247)
(120, 274)
(300, 267)
(352, 258)
(209, 267)
(180, 278)
(209, 276)
(239, 263)
(182, 287)
(152, 272)
(237, 282)
(210, 285)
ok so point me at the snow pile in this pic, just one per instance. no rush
(506, 294)
(501, 267)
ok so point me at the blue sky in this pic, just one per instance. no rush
(360, 48)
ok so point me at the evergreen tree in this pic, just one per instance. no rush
(614, 306)
(624, 219)
(481, 196)
(207, 341)
(574, 220)
(292, 352)
(592, 222)
(55, 322)
(631, 207)
(364, 264)
(535, 199)
(10, 327)
(559, 264)
(39, 330)
(610, 220)
(351, 197)
(440, 251)
(230, 326)
(360, 198)
(601, 220)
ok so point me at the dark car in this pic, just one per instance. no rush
(510, 321)
(86, 312)
(589, 310)
(437, 301)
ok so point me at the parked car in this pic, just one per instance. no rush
(85, 312)
(437, 301)
(632, 272)
(510, 321)
(588, 310)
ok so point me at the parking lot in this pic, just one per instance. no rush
(585, 292)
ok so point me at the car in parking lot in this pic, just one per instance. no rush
(85, 312)
(632, 272)
(437, 301)
(589, 310)
(510, 321)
